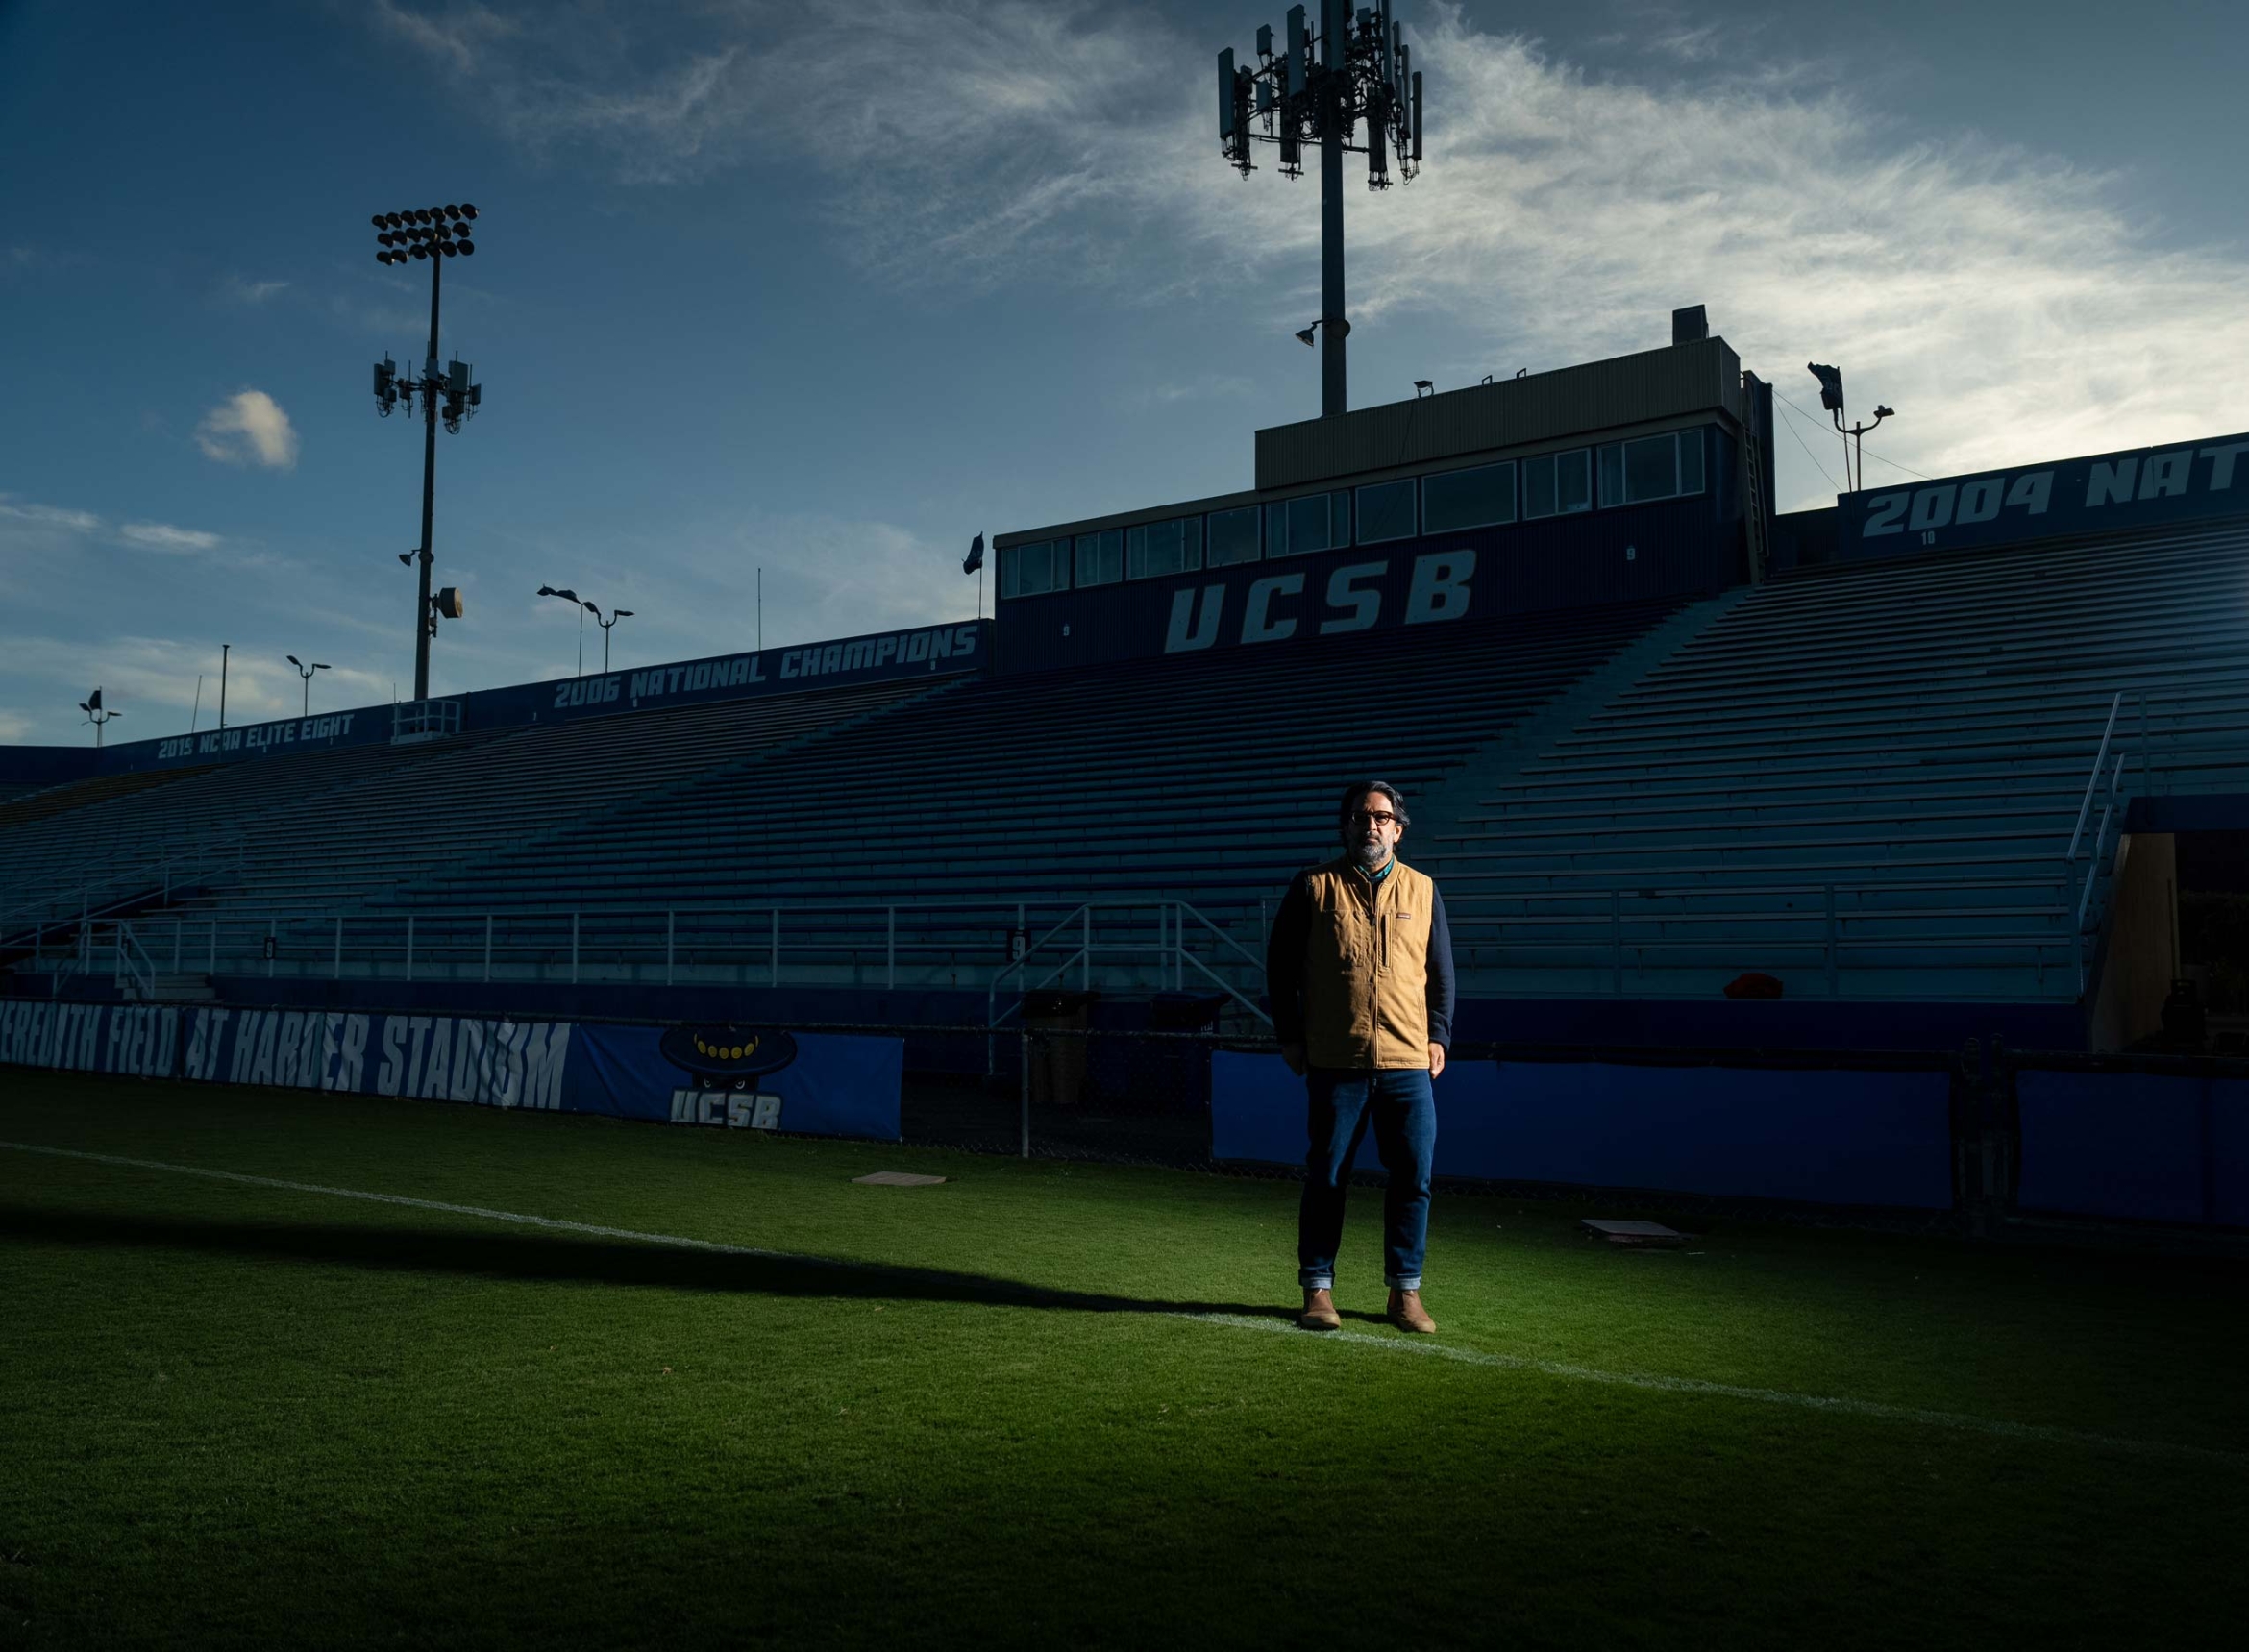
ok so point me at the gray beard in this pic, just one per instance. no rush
(1370, 855)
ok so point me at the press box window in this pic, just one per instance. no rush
(1386, 512)
(1316, 522)
(1480, 498)
(1100, 558)
(1233, 536)
(1034, 569)
(1557, 484)
(1159, 548)
(1653, 467)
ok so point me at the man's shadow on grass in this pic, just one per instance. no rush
(578, 1259)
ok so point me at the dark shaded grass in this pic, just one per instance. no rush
(238, 1415)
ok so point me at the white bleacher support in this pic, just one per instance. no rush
(1833, 989)
(2093, 779)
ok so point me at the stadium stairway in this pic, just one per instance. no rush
(1864, 780)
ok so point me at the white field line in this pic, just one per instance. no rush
(1830, 1405)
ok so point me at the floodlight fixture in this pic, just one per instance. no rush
(91, 706)
(608, 625)
(575, 600)
(1347, 86)
(448, 396)
(1424, 388)
(1308, 335)
(1854, 435)
(305, 671)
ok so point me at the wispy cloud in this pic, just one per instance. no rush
(248, 428)
(48, 515)
(456, 39)
(163, 536)
(153, 681)
(2009, 305)
(252, 292)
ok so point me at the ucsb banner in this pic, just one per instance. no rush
(720, 1074)
(2138, 487)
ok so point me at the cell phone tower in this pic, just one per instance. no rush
(1356, 74)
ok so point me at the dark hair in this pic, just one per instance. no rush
(1358, 792)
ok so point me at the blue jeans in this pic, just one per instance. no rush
(1404, 1114)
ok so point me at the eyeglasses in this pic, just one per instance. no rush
(1365, 818)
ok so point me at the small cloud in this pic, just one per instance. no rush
(249, 429)
(163, 536)
(455, 42)
(14, 728)
(49, 516)
(1204, 387)
(253, 291)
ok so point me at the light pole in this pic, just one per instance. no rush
(305, 671)
(1318, 90)
(433, 234)
(91, 706)
(571, 596)
(1831, 398)
(615, 614)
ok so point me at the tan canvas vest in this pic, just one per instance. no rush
(1366, 968)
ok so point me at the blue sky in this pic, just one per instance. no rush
(829, 289)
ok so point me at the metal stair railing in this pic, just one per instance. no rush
(78, 895)
(135, 970)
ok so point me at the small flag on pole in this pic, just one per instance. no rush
(976, 556)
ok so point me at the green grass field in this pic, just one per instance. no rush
(1042, 1403)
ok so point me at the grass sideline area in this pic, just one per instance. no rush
(1044, 1402)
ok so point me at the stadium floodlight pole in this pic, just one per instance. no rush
(91, 706)
(1831, 397)
(608, 625)
(305, 671)
(433, 234)
(1318, 88)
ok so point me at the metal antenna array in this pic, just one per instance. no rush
(1321, 89)
(433, 234)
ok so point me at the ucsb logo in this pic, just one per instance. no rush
(732, 1109)
(1272, 607)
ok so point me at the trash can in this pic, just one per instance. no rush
(1057, 1064)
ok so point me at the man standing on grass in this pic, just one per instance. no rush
(1360, 970)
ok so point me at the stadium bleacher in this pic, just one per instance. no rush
(1915, 737)
(1206, 782)
(1865, 779)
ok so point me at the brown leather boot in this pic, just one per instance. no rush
(1320, 1313)
(1407, 1314)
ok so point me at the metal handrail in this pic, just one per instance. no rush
(140, 971)
(2093, 779)
(156, 872)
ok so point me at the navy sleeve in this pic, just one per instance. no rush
(1441, 990)
(1284, 962)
